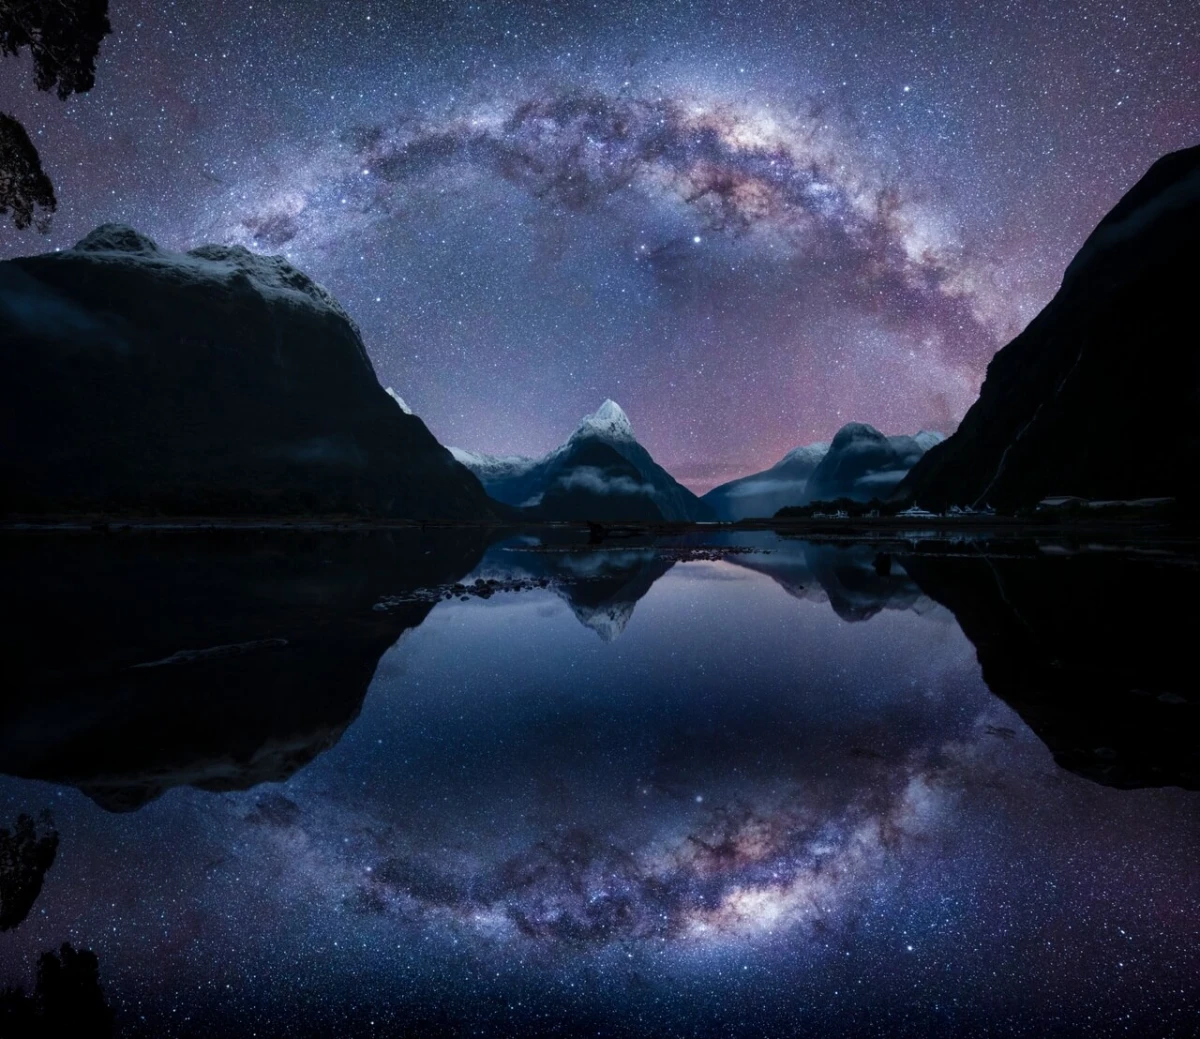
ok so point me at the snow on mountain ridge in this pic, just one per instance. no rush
(489, 467)
(806, 453)
(273, 277)
(608, 421)
(399, 400)
(860, 462)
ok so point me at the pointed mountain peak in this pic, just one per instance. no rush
(607, 421)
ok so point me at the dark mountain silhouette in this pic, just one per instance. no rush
(764, 494)
(215, 382)
(1098, 397)
(141, 662)
(523, 482)
(593, 481)
(862, 464)
(1094, 651)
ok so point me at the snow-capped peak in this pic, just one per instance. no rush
(399, 400)
(607, 421)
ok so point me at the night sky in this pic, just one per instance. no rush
(746, 222)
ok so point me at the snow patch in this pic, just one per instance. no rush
(805, 454)
(116, 238)
(272, 277)
(400, 400)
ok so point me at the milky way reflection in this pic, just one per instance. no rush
(738, 805)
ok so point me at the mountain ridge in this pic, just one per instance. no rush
(216, 382)
(860, 463)
(1096, 398)
(523, 482)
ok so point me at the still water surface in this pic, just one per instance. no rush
(310, 786)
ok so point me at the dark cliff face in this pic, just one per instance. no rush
(1093, 650)
(141, 662)
(215, 382)
(1098, 397)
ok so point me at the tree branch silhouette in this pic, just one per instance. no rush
(26, 852)
(63, 38)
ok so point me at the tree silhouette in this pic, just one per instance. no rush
(25, 856)
(67, 1000)
(25, 190)
(63, 37)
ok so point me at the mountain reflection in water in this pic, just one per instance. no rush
(431, 797)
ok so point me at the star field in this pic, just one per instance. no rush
(797, 825)
(747, 222)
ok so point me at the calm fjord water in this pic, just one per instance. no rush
(330, 785)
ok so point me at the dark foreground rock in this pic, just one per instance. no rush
(211, 383)
(1098, 397)
(136, 663)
